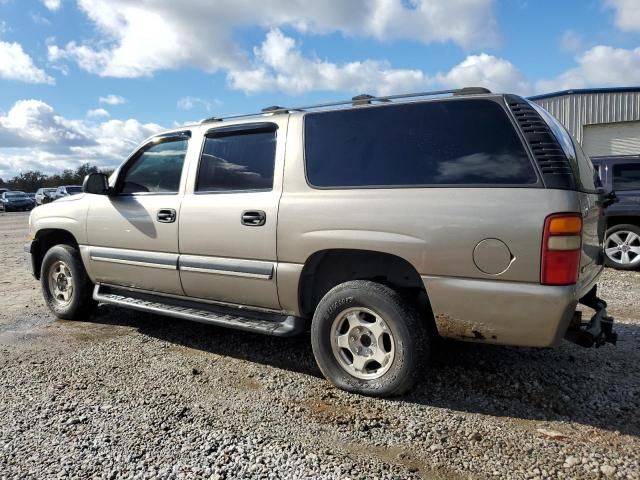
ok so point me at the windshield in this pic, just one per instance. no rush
(49, 190)
(74, 189)
(15, 194)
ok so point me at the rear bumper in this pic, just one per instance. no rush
(507, 313)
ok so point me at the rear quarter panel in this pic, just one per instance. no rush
(434, 229)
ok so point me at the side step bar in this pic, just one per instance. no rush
(239, 319)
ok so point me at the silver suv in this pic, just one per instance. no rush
(382, 224)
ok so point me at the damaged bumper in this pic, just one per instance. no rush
(598, 330)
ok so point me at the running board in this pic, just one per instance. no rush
(236, 318)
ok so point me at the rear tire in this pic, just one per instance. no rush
(66, 288)
(367, 339)
(622, 247)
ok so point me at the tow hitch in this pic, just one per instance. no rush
(598, 330)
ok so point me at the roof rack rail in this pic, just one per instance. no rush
(274, 109)
(366, 99)
(472, 91)
(363, 99)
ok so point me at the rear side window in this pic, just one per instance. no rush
(626, 176)
(239, 161)
(455, 142)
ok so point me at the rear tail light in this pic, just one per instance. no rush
(561, 249)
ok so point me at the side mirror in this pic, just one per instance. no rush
(96, 183)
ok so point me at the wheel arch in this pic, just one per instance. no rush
(44, 240)
(327, 268)
(616, 220)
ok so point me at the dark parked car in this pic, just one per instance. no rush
(14, 201)
(622, 243)
(45, 195)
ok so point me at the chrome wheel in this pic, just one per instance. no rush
(362, 343)
(61, 283)
(623, 247)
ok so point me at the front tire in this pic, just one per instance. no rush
(622, 247)
(66, 288)
(367, 339)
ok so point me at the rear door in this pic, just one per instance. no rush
(133, 233)
(229, 215)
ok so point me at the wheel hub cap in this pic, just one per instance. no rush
(362, 343)
(61, 283)
(623, 247)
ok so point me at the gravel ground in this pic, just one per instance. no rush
(131, 395)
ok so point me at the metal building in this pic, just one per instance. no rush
(606, 121)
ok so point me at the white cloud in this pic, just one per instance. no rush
(571, 41)
(627, 14)
(135, 39)
(279, 65)
(496, 74)
(15, 64)
(189, 103)
(97, 112)
(112, 100)
(34, 136)
(52, 4)
(599, 66)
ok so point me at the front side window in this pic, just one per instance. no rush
(239, 161)
(626, 176)
(157, 169)
(450, 142)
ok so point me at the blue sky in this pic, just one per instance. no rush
(85, 80)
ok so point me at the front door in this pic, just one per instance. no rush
(133, 233)
(229, 215)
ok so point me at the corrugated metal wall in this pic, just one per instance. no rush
(579, 109)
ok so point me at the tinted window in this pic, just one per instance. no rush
(434, 143)
(241, 161)
(74, 189)
(156, 169)
(626, 176)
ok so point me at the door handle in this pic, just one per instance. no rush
(166, 215)
(253, 218)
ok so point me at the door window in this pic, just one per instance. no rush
(157, 169)
(240, 161)
(626, 176)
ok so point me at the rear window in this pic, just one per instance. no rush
(626, 176)
(455, 142)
